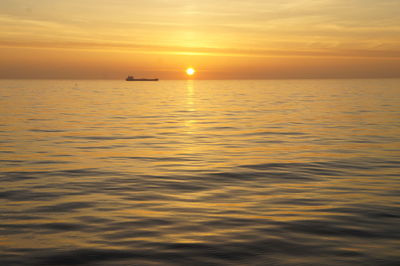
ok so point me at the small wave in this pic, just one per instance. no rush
(109, 137)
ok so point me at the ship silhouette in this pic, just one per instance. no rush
(132, 78)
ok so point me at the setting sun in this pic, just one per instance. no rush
(190, 71)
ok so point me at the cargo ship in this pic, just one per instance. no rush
(132, 78)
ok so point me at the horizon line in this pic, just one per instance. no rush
(174, 79)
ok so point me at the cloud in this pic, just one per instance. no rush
(226, 51)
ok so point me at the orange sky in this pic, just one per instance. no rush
(222, 39)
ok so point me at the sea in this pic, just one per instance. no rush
(200, 172)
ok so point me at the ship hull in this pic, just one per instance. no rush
(141, 79)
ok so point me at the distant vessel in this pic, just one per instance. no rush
(131, 78)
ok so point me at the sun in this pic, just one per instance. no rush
(190, 71)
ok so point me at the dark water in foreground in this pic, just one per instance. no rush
(200, 172)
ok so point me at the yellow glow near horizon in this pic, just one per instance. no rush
(190, 71)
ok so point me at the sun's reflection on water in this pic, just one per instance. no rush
(190, 106)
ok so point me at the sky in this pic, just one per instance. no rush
(221, 39)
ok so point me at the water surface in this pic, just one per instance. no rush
(299, 172)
